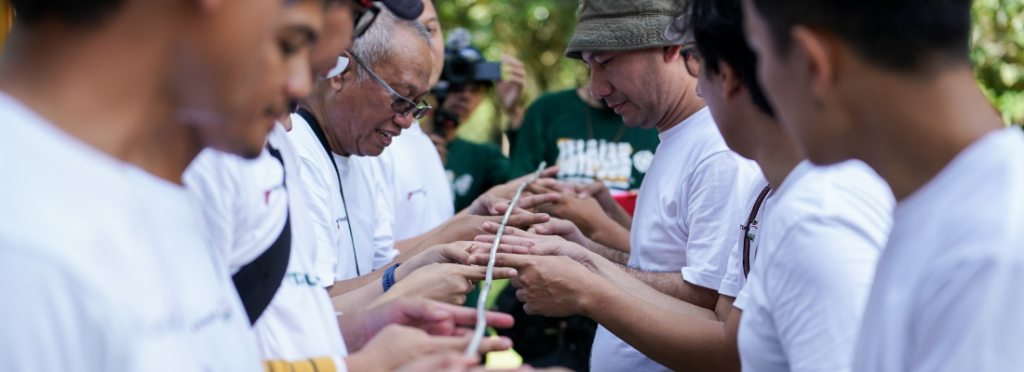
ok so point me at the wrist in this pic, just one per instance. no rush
(362, 362)
(401, 272)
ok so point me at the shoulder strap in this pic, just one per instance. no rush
(313, 123)
(258, 281)
(746, 229)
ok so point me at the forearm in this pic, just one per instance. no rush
(610, 254)
(673, 285)
(345, 286)
(358, 299)
(622, 217)
(678, 341)
(610, 234)
(614, 273)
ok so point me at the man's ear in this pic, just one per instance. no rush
(346, 76)
(732, 85)
(820, 53)
(671, 53)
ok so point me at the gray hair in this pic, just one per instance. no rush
(376, 46)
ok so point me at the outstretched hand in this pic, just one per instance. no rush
(434, 318)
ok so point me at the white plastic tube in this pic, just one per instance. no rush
(481, 302)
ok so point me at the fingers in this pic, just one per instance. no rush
(527, 219)
(479, 273)
(488, 344)
(516, 244)
(484, 247)
(550, 171)
(528, 202)
(514, 261)
(596, 188)
(466, 317)
(538, 189)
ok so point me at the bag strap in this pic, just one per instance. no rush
(313, 123)
(258, 281)
(746, 229)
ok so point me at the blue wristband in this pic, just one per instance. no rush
(389, 277)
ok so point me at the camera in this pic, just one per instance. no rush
(464, 65)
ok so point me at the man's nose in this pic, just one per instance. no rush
(404, 121)
(599, 85)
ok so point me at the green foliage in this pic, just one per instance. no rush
(537, 32)
(998, 53)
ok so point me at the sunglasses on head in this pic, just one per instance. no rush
(365, 19)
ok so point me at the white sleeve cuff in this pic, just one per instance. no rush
(703, 279)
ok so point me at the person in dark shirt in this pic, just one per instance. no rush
(587, 139)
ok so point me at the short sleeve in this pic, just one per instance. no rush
(815, 283)
(318, 201)
(213, 185)
(733, 272)
(716, 199)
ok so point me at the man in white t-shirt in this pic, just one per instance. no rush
(946, 295)
(695, 188)
(343, 197)
(812, 240)
(422, 192)
(112, 291)
(258, 222)
(356, 114)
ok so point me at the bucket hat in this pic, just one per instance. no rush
(617, 25)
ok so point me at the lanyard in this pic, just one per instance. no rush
(313, 123)
(746, 230)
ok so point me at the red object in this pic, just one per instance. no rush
(627, 200)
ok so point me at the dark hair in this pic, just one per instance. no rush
(79, 12)
(901, 35)
(717, 26)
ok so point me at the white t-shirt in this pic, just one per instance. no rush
(948, 290)
(219, 331)
(370, 221)
(96, 287)
(685, 220)
(422, 193)
(734, 279)
(824, 232)
(246, 203)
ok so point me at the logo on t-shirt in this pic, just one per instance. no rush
(414, 192)
(461, 185)
(583, 161)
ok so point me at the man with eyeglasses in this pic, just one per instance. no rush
(349, 117)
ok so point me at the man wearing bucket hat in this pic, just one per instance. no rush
(695, 188)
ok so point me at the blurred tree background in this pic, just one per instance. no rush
(998, 54)
(537, 32)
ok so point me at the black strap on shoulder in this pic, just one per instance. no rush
(746, 229)
(313, 123)
(258, 281)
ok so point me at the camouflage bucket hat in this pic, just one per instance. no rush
(617, 25)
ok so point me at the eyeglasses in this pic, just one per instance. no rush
(693, 60)
(365, 20)
(403, 106)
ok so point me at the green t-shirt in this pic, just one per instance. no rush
(555, 129)
(473, 169)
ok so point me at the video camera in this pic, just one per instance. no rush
(464, 65)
